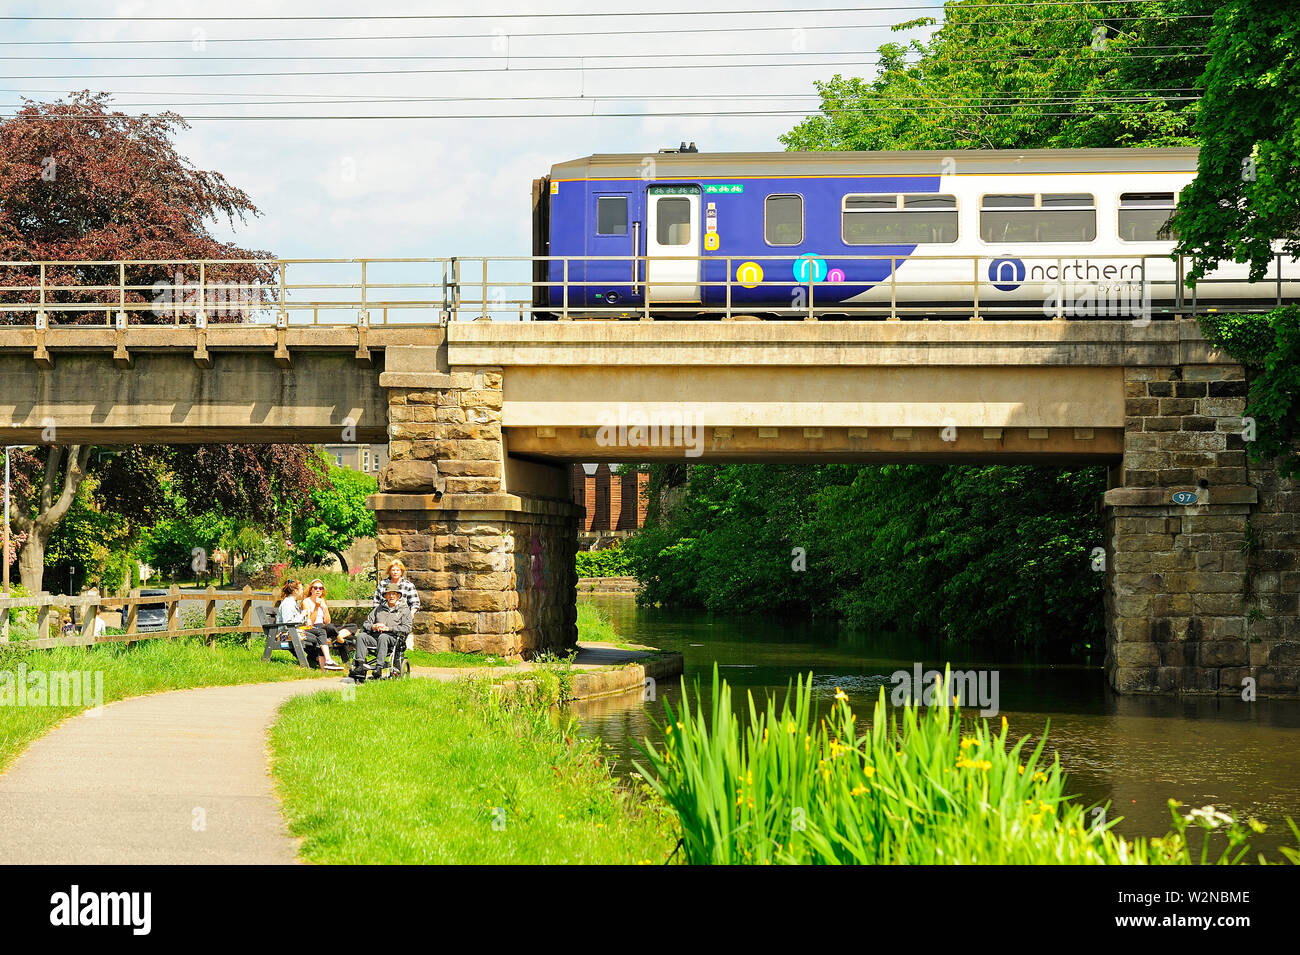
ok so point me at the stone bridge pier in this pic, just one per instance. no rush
(487, 539)
(1202, 597)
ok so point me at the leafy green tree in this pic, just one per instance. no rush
(1246, 193)
(995, 554)
(338, 517)
(1245, 198)
(999, 77)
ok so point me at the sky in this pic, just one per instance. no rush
(340, 188)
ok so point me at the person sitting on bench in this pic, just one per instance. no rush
(382, 630)
(290, 613)
(318, 616)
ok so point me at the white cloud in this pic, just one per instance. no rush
(429, 187)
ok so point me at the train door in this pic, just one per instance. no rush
(672, 244)
(613, 233)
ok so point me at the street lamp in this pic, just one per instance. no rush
(4, 547)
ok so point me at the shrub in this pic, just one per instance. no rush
(21, 616)
(337, 586)
(610, 562)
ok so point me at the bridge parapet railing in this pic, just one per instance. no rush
(434, 291)
(92, 607)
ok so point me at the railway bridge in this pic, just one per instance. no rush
(484, 417)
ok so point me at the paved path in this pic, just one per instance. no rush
(127, 786)
(131, 784)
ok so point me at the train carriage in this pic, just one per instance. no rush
(998, 233)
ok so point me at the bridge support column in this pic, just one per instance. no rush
(1201, 597)
(489, 542)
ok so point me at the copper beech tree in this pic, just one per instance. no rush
(82, 183)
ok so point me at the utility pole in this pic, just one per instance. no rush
(4, 549)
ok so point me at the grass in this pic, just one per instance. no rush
(918, 786)
(454, 658)
(594, 626)
(338, 586)
(151, 666)
(447, 773)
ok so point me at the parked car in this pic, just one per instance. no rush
(152, 616)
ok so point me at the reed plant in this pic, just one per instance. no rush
(917, 785)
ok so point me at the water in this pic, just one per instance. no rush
(1133, 752)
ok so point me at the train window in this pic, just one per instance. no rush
(673, 216)
(611, 215)
(1050, 217)
(1144, 216)
(783, 220)
(897, 219)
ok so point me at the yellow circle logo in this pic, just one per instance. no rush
(750, 274)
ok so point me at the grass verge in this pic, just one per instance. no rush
(150, 666)
(453, 658)
(594, 626)
(419, 771)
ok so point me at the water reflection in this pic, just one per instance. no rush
(1133, 752)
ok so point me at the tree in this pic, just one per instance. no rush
(1246, 193)
(993, 77)
(63, 471)
(79, 182)
(339, 516)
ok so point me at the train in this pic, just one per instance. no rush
(1061, 233)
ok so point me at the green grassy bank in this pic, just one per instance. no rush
(447, 773)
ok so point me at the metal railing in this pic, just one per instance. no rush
(434, 291)
(92, 606)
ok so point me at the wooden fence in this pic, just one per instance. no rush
(91, 607)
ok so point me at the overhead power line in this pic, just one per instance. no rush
(582, 66)
(517, 56)
(528, 35)
(1010, 99)
(1009, 4)
(925, 103)
(1080, 108)
(306, 98)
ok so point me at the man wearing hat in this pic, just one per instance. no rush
(383, 629)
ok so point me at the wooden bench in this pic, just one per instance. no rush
(281, 636)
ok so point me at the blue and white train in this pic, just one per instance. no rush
(998, 233)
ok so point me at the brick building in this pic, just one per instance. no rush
(369, 458)
(614, 503)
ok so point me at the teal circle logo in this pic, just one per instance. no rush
(809, 267)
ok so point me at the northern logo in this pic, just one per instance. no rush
(1007, 275)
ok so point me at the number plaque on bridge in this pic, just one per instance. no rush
(1184, 497)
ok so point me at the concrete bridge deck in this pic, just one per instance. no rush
(1201, 596)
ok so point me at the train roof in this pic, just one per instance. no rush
(885, 162)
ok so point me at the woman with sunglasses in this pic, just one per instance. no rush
(318, 621)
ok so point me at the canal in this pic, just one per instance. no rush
(1132, 752)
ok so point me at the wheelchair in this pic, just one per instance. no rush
(395, 668)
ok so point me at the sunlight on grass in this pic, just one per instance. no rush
(416, 771)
